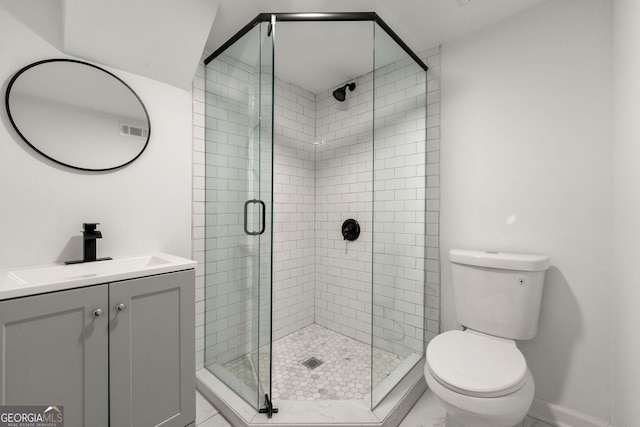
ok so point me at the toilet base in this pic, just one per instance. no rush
(468, 411)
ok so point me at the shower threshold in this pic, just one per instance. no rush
(335, 413)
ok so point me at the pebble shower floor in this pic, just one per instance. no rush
(345, 373)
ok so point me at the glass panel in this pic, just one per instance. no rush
(399, 214)
(239, 92)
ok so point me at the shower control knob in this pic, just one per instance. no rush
(121, 307)
(97, 312)
(350, 229)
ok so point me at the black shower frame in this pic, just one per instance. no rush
(318, 17)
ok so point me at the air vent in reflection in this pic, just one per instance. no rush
(130, 130)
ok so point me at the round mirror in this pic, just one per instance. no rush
(77, 114)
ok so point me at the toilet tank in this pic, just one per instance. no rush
(498, 293)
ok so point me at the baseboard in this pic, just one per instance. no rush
(561, 416)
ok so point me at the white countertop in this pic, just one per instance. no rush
(26, 281)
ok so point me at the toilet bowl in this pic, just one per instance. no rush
(480, 380)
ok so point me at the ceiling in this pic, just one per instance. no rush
(164, 40)
(321, 56)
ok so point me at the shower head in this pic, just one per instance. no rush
(341, 93)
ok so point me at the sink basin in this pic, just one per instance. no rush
(48, 278)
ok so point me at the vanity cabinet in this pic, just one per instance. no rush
(54, 352)
(116, 354)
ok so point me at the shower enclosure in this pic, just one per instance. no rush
(297, 143)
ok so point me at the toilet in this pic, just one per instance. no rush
(478, 374)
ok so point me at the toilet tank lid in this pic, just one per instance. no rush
(500, 260)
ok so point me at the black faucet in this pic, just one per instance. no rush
(89, 240)
(90, 234)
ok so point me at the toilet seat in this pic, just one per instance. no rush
(475, 364)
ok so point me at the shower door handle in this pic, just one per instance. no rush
(246, 216)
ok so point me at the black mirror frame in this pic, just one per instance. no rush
(24, 69)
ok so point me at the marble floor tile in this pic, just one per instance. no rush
(344, 373)
(204, 409)
(207, 415)
(215, 421)
(532, 422)
(427, 412)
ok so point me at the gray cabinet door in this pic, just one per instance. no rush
(152, 371)
(54, 351)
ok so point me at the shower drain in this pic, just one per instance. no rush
(312, 363)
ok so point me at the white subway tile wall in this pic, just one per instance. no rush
(400, 192)
(294, 209)
(318, 277)
(198, 222)
(433, 264)
(344, 185)
(231, 133)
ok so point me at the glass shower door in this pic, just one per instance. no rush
(238, 215)
(263, 218)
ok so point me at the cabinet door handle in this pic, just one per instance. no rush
(97, 312)
(121, 307)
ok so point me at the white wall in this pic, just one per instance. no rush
(626, 213)
(526, 167)
(143, 207)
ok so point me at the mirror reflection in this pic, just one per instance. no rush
(77, 114)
